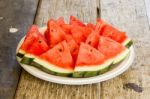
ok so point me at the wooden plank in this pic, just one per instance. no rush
(15, 17)
(147, 5)
(34, 88)
(129, 16)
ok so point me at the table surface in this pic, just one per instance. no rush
(132, 16)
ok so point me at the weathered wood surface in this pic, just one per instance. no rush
(33, 88)
(129, 16)
(147, 6)
(15, 17)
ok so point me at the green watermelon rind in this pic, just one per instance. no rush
(48, 70)
(127, 43)
(51, 68)
(89, 71)
(27, 59)
(120, 57)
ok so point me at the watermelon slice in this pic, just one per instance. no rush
(107, 30)
(32, 35)
(90, 62)
(93, 39)
(57, 61)
(38, 47)
(55, 34)
(78, 34)
(112, 49)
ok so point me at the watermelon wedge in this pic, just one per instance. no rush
(31, 36)
(78, 34)
(57, 60)
(90, 62)
(112, 49)
(55, 34)
(93, 39)
(37, 47)
(107, 30)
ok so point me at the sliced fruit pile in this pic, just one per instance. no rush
(74, 49)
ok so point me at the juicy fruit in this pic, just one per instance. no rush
(89, 60)
(55, 34)
(59, 56)
(93, 39)
(31, 36)
(37, 47)
(111, 48)
(74, 49)
(107, 30)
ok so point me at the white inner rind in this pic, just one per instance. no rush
(126, 42)
(51, 66)
(21, 51)
(94, 67)
(30, 55)
(121, 56)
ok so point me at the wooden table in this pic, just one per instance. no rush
(132, 16)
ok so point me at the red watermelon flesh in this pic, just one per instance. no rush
(59, 55)
(89, 56)
(73, 46)
(87, 31)
(31, 36)
(39, 46)
(75, 21)
(66, 28)
(113, 33)
(109, 47)
(93, 39)
(56, 34)
(78, 34)
(99, 26)
(91, 26)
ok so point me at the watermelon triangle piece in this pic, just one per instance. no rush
(93, 39)
(89, 56)
(90, 62)
(56, 60)
(78, 34)
(36, 48)
(32, 35)
(55, 34)
(112, 49)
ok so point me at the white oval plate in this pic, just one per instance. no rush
(117, 70)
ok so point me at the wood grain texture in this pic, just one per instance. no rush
(34, 88)
(13, 14)
(129, 16)
(147, 6)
